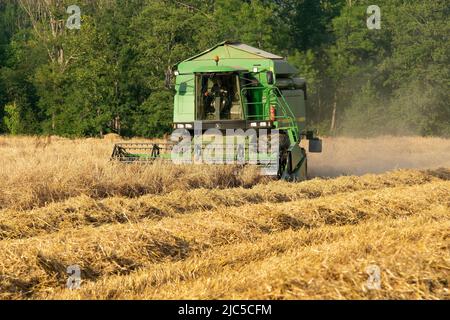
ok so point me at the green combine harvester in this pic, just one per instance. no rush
(234, 87)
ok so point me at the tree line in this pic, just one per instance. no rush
(113, 74)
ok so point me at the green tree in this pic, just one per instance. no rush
(114, 75)
(13, 119)
(154, 117)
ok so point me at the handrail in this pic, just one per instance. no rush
(272, 94)
(285, 106)
(243, 90)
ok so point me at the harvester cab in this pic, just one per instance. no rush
(236, 88)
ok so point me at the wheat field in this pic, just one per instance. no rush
(221, 232)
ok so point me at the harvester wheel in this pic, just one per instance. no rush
(300, 174)
(282, 171)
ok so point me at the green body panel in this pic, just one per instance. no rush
(190, 67)
(211, 69)
(184, 101)
(256, 102)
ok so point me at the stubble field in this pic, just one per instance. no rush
(213, 232)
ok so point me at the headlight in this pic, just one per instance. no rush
(188, 126)
(180, 126)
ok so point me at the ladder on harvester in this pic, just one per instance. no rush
(286, 118)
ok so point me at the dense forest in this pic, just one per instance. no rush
(113, 74)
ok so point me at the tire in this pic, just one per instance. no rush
(301, 174)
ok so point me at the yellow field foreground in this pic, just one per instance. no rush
(176, 232)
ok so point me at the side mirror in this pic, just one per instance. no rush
(270, 79)
(315, 145)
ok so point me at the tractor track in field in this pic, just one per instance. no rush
(294, 265)
(121, 249)
(84, 211)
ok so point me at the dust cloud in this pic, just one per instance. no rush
(350, 156)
